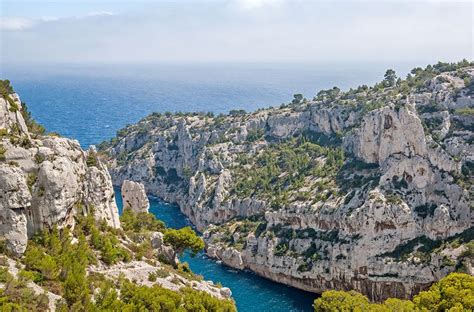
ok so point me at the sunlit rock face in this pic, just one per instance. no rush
(134, 196)
(381, 222)
(45, 180)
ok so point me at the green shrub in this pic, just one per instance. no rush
(140, 222)
(333, 300)
(281, 249)
(37, 260)
(31, 180)
(91, 160)
(4, 275)
(455, 292)
(467, 111)
(161, 273)
(3, 150)
(13, 107)
(31, 124)
(255, 135)
(39, 158)
(16, 296)
(183, 239)
(152, 277)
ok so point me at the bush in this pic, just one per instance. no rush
(281, 249)
(31, 180)
(140, 222)
(255, 135)
(467, 111)
(455, 292)
(5, 91)
(36, 259)
(58, 265)
(16, 296)
(3, 150)
(31, 124)
(183, 239)
(333, 300)
(152, 277)
(4, 275)
(91, 160)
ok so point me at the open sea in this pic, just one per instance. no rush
(91, 102)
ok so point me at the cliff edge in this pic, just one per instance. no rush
(45, 179)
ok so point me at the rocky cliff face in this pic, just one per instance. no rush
(45, 180)
(134, 196)
(369, 189)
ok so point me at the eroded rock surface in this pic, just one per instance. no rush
(351, 190)
(45, 180)
(134, 196)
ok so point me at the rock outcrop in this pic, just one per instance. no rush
(360, 190)
(139, 272)
(45, 180)
(134, 196)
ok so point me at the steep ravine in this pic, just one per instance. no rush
(369, 189)
(251, 293)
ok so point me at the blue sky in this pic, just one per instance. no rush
(235, 31)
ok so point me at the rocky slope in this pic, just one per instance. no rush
(369, 189)
(45, 179)
(48, 183)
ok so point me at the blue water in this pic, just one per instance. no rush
(250, 292)
(91, 102)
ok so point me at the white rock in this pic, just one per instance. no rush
(134, 196)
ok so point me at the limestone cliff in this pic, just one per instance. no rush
(45, 179)
(49, 183)
(134, 196)
(369, 189)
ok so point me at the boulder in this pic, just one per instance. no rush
(134, 196)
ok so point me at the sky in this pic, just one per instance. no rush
(143, 31)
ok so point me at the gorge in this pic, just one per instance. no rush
(368, 189)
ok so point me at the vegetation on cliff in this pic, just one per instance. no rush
(59, 261)
(35, 128)
(381, 173)
(452, 293)
(280, 171)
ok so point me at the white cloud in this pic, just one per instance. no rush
(99, 13)
(15, 23)
(49, 19)
(256, 4)
(250, 31)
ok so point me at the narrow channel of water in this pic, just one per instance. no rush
(250, 292)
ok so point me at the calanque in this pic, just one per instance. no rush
(368, 189)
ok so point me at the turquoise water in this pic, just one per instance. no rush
(250, 292)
